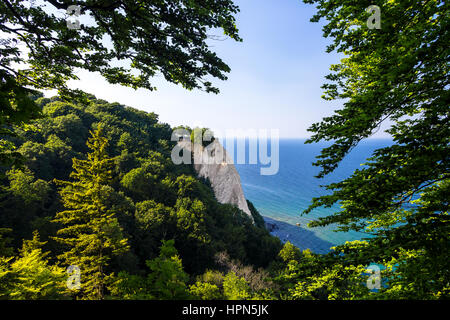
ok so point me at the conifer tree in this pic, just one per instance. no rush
(30, 276)
(91, 230)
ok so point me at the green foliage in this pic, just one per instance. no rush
(154, 37)
(235, 281)
(153, 216)
(143, 196)
(205, 291)
(141, 171)
(259, 284)
(22, 184)
(5, 249)
(138, 182)
(165, 281)
(213, 277)
(400, 197)
(24, 201)
(336, 282)
(167, 278)
(305, 275)
(91, 230)
(289, 252)
(257, 218)
(235, 288)
(131, 287)
(30, 276)
(190, 218)
(150, 181)
(17, 109)
(202, 136)
(411, 275)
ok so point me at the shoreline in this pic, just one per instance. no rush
(297, 235)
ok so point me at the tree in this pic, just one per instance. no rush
(155, 222)
(399, 72)
(5, 249)
(178, 206)
(289, 252)
(17, 109)
(23, 201)
(165, 281)
(24, 185)
(336, 282)
(235, 288)
(146, 37)
(205, 291)
(167, 278)
(30, 276)
(131, 287)
(91, 230)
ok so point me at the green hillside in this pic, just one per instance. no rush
(152, 199)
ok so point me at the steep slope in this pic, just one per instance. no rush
(154, 199)
(214, 164)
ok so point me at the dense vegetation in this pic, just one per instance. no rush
(127, 42)
(105, 206)
(88, 184)
(401, 197)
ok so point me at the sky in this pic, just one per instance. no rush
(274, 83)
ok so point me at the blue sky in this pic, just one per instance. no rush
(275, 79)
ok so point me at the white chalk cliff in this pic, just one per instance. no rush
(214, 164)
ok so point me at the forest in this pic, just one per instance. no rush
(92, 207)
(99, 190)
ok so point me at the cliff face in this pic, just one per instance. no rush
(213, 163)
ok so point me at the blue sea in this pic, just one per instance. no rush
(282, 197)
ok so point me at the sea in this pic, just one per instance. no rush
(282, 197)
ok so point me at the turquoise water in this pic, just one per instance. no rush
(283, 196)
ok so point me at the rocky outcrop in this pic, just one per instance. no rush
(214, 164)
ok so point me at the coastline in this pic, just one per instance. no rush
(298, 236)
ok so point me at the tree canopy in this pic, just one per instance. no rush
(400, 197)
(127, 42)
(106, 205)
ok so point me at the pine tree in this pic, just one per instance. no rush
(91, 230)
(30, 276)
